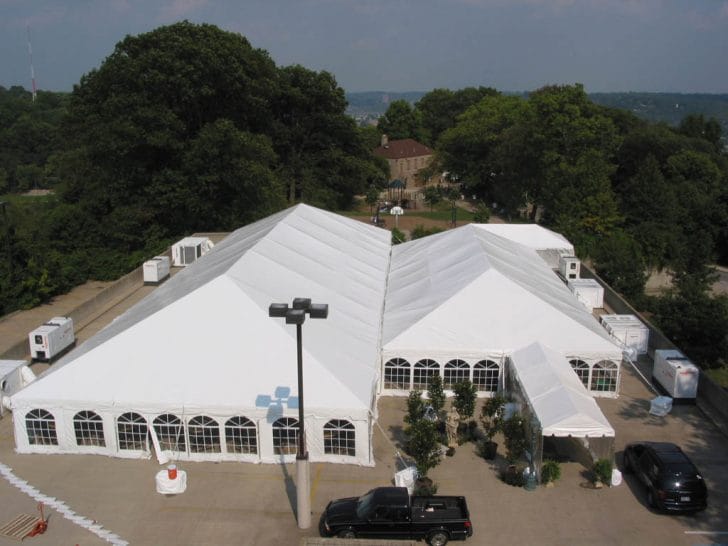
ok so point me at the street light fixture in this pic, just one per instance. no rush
(296, 314)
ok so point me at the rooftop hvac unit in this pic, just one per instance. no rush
(156, 269)
(189, 250)
(675, 374)
(569, 267)
(628, 330)
(51, 339)
(589, 292)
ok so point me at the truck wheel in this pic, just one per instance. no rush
(438, 538)
(346, 533)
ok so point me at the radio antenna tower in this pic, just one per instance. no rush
(30, 54)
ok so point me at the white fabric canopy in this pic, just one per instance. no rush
(547, 244)
(470, 293)
(558, 398)
(203, 343)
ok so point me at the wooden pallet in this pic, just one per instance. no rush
(19, 527)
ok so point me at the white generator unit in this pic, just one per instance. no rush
(51, 339)
(569, 267)
(14, 375)
(156, 269)
(189, 250)
(589, 292)
(629, 331)
(676, 374)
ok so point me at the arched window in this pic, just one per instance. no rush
(397, 374)
(240, 435)
(486, 376)
(339, 438)
(423, 370)
(41, 428)
(604, 376)
(582, 370)
(89, 429)
(204, 434)
(285, 436)
(170, 432)
(132, 431)
(455, 372)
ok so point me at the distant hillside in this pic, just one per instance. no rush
(668, 107)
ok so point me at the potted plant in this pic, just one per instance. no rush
(602, 472)
(550, 472)
(491, 417)
(514, 432)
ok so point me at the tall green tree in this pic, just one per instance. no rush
(324, 159)
(440, 108)
(400, 121)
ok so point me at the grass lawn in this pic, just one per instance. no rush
(719, 375)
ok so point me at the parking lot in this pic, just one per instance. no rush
(237, 503)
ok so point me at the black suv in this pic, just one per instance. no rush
(673, 482)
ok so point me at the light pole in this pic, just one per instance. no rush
(296, 314)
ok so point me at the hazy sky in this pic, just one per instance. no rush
(403, 45)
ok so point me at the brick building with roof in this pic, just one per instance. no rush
(406, 158)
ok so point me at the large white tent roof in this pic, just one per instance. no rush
(469, 291)
(559, 399)
(204, 340)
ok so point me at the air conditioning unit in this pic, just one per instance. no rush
(676, 374)
(569, 267)
(628, 330)
(51, 339)
(189, 250)
(156, 269)
(589, 292)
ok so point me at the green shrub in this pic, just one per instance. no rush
(436, 393)
(550, 471)
(603, 471)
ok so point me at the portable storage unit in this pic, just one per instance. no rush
(51, 339)
(189, 249)
(569, 267)
(14, 375)
(589, 292)
(629, 330)
(675, 374)
(156, 269)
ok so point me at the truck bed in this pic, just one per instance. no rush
(441, 508)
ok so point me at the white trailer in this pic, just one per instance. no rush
(189, 250)
(629, 331)
(156, 269)
(51, 339)
(674, 372)
(589, 292)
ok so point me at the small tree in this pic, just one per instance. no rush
(481, 214)
(465, 395)
(415, 407)
(398, 236)
(436, 393)
(514, 431)
(432, 196)
(422, 444)
(491, 415)
(372, 197)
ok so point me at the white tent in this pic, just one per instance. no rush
(559, 400)
(548, 244)
(202, 349)
(199, 368)
(468, 296)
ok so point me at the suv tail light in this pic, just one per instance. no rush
(468, 525)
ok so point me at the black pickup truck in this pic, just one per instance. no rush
(390, 513)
